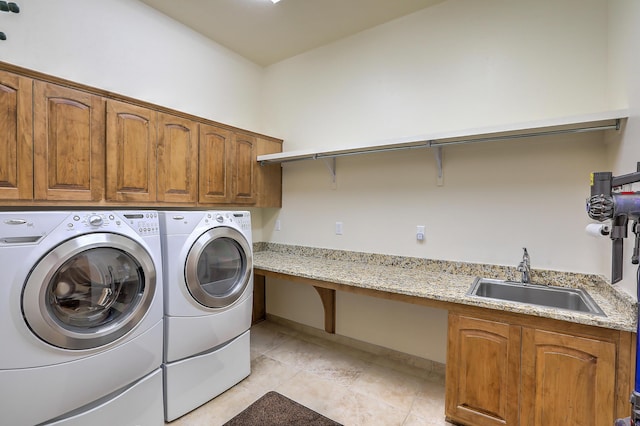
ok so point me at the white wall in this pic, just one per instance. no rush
(496, 199)
(460, 64)
(129, 48)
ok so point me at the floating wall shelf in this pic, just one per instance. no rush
(608, 120)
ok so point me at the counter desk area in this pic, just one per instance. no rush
(530, 343)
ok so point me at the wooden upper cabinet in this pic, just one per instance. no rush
(63, 142)
(227, 172)
(269, 176)
(567, 380)
(483, 365)
(177, 159)
(131, 152)
(16, 137)
(68, 144)
(244, 163)
(214, 170)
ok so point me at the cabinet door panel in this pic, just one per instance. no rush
(131, 153)
(69, 144)
(177, 159)
(244, 163)
(482, 371)
(566, 379)
(16, 137)
(214, 171)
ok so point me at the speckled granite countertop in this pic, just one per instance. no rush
(441, 280)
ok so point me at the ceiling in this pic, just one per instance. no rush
(266, 33)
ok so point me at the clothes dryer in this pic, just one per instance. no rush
(208, 276)
(81, 318)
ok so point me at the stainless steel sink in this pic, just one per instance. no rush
(572, 299)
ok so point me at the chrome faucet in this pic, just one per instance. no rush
(524, 267)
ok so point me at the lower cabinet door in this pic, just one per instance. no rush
(483, 372)
(566, 380)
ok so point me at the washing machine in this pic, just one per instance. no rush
(81, 318)
(208, 279)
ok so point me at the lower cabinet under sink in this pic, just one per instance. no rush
(521, 370)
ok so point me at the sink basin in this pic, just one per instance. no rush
(571, 299)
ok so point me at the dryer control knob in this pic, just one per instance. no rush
(219, 218)
(95, 220)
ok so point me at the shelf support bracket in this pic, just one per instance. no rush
(331, 165)
(438, 155)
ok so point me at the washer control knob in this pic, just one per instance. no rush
(95, 220)
(219, 218)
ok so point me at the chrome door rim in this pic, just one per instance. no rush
(34, 295)
(191, 274)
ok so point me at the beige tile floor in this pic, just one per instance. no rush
(350, 386)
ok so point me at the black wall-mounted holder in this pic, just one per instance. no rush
(8, 7)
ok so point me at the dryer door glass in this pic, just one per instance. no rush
(89, 291)
(219, 267)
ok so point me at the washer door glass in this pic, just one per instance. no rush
(95, 287)
(218, 267)
(89, 291)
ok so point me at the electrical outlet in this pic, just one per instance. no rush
(278, 225)
(338, 228)
(420, 233)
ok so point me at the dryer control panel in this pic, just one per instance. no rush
(243, 219)
(240, 219)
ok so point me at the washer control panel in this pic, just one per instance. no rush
(143, 222)
(95, 220)
(90, 220)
